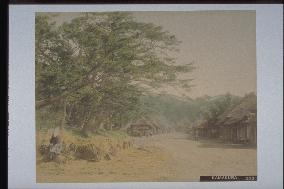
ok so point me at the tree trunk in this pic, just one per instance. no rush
(69, 112)
(97, 124)
(109, 122)
(85, 126)
(64, 115)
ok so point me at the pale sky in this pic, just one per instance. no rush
(222, 44)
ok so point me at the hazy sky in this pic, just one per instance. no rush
(220, 43)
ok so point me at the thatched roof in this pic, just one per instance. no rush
(142, 121)
(201, 124)
(146, 121)
(240, 112)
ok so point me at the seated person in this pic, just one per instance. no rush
(55, 146)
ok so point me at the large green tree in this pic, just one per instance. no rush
(96, 62)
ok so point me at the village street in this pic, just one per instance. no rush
(163, 157)
(190, 158)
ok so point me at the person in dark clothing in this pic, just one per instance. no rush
(55, 146)
(53, 139)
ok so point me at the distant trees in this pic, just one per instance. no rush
(92, 66)
(218, 106)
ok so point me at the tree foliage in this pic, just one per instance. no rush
(219, 106)
(95, 64)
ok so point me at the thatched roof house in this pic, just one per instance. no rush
(239, 113)
(143, 127)
(239, 124)
(206, 129)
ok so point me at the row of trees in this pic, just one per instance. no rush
(90, 69)
(218, 106)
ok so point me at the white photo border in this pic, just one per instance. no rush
(21, 95)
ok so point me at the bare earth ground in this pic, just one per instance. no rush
(165, 157)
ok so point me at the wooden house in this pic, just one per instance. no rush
(140, 130)
(239, 124)
(143, 128)
(206, 130)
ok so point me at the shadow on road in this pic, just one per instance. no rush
(215, 143)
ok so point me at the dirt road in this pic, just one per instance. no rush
(165, 157)
(190, 158)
